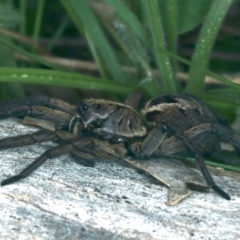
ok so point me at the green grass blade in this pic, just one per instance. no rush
(214, 164)
(169, 11)
(9, 90)
(130, 44)
(85, 15)
(129, 18)
(96, 57)
(133, 38)
(38, 20)
(204, 45)
(124, 46)
(23, 9)
(64, 79)
(163, 61)
(202, 69)
(59, 31)
(30, 55)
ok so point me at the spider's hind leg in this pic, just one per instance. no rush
(156, 141)
(202, 166)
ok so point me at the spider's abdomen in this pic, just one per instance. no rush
(183, 111)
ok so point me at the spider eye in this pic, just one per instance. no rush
(97, 106)
(85, 107)
(85, 128)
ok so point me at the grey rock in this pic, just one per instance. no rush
(65, 200)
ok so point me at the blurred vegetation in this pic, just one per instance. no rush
(72, 49)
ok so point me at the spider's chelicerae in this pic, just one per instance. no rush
(167, 125)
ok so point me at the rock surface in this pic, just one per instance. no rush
(65, 200)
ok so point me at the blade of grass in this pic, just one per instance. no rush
(168, 10)
(59, 78)
(30, 55)
(163, 61)
(134, 36)
(23, 39)
(204, 45)
(85, 15)
(162, 50)
(129, 18)
(214, 164)
(115, 5)
(9, 90)
(58, 33)
(136, 54)
(38, 20)
(181, 59)
(97, 57)
(22, 25)
(202, 69)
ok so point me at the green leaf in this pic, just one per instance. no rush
(191, 13)
(204, 45)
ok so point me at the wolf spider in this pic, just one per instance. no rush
(167, 125)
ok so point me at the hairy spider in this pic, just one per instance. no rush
(167, 125)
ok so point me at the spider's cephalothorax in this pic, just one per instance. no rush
(167, 125)
(111, 120)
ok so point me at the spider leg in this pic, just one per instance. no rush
(152, 142)
(20, 108)
(102, 150)
(107, 151)
(85, 147)
(156, 137)
(36, 137)
(49, 154)
(39, 116)
(202, 166)
(201, 135)
(45, 124)
(134, 99)
(48, 114)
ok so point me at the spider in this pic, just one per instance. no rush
(175, 124)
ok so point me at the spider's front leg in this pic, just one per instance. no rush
(51, 153)
(52, 114)
(20, 108)
(85, 147)
(36, 137)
